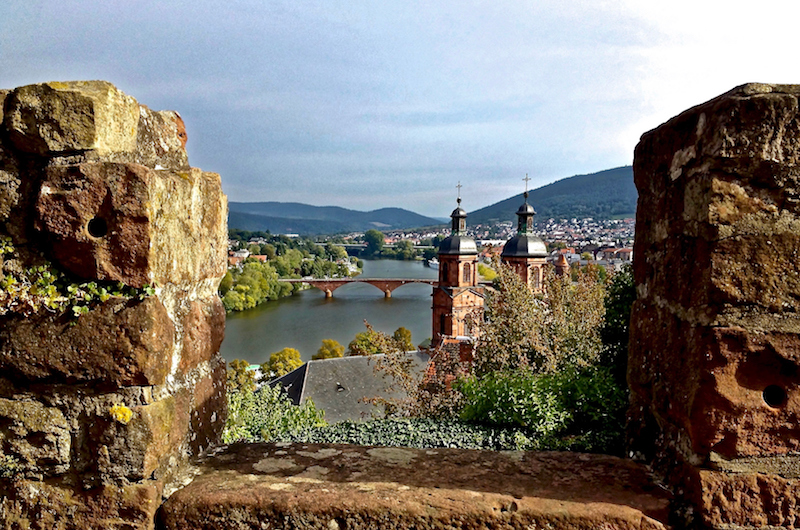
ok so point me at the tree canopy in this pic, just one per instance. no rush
(374, 240)
(541, 331)
(240, 377)
(403, 337)
(282, 362)
(330, 349)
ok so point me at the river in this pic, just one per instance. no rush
(301, 321)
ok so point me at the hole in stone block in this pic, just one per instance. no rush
(97, 227)
(774, 396)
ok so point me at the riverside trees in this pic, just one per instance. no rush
(256, 281)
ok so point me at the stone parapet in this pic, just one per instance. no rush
(110, 323)
(715, 331)
(355, 487)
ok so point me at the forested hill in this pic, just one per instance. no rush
(298, 218)
(601, 195)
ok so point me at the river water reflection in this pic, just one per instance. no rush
(303, 320)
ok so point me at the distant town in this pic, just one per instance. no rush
(606, 242)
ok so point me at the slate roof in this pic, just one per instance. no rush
(340, 386)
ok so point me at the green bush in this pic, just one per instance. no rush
(574, 409)
(597, 403)
(513, 398)
(267, 413)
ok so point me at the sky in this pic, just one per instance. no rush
(368, 104)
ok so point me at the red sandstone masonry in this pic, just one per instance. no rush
(713, 364)
(101, 187)
(364, 488)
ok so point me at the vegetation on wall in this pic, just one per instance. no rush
(418, 432)
(30, 290)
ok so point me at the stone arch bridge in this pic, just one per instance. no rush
(387, 285)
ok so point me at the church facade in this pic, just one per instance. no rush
(458, 294)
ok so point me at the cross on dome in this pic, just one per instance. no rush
(526, 179)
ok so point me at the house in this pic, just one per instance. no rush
(342, 386)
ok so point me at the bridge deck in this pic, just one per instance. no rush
(387, 285)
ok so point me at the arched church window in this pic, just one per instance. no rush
(467, 273)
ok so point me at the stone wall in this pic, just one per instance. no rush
(113, 248)
(715, 332)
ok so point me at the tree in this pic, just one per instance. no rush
(336, 252)
(282, 362)
(254, 284)
(374, 240)
(226, 283)
(240, 377)
(365, 343)
(330, 349)
(403, 337)
(616, 327)
(268, 250)
(371, 342)
(405, 250)
(543, 332)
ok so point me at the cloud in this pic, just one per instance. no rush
(370, 104)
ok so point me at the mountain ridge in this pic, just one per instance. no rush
(601, 195)
(295, 217)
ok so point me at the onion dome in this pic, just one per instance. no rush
(524, 244)
(458, 242)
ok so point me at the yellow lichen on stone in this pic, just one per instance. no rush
(121, 413)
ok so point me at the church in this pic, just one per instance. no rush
(458, 293)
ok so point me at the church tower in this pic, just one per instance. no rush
(457, 294)
(525, 253)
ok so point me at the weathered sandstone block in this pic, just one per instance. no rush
(161, 140)
(203, 332)
(356, 487)
(74, 116)
(119, 343)
(100, 413)
(36, 435)
(39, 506)
(730, 390)
(130, 223)
(135, 450)
(746, 500)
(209, 409)
(713, 367)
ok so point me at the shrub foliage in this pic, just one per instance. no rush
(267, 413)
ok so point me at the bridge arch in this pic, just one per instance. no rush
(386, 285)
